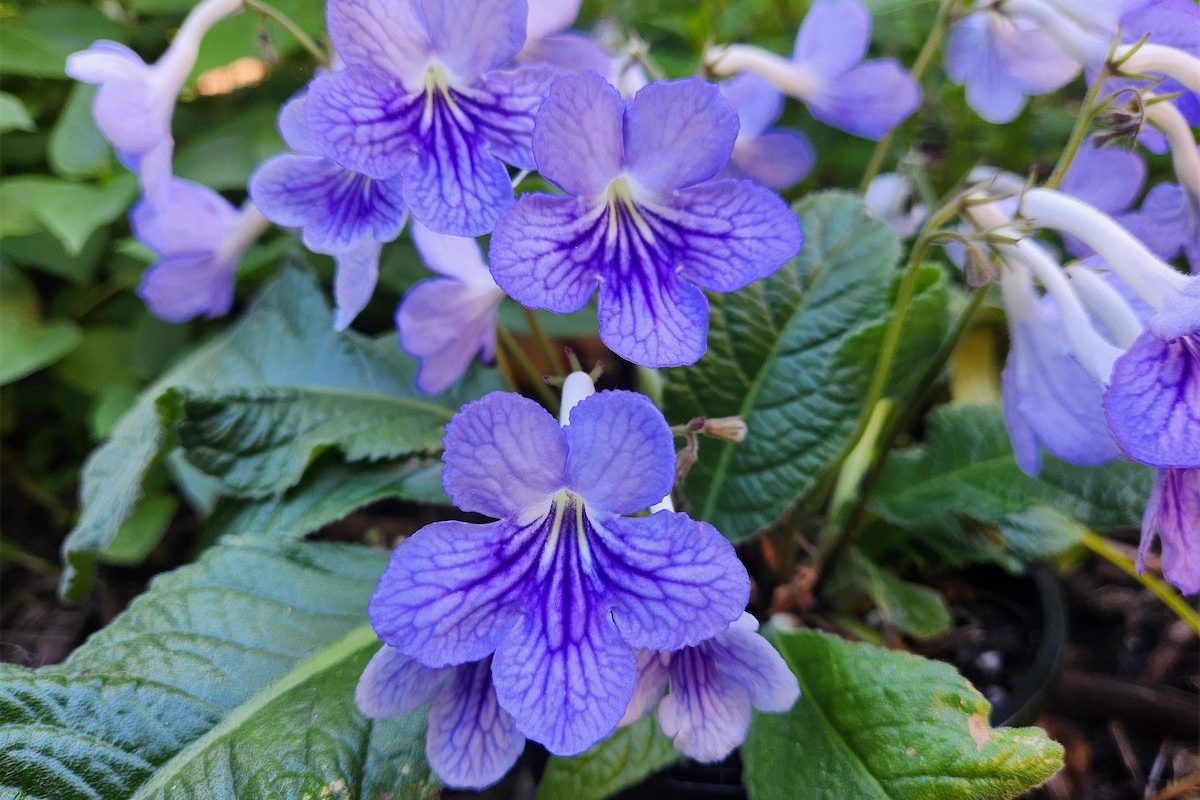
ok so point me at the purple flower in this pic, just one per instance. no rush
(1168, 222)
(828, 74)
(1107, 178)
(1002, 60)
(446, 321)
(714, 686)
(423, 99)
(470, 740)
(340, 212)
(135, 102)
(1173, 515)
(564, 586)
(199, 239)
(775, 157)
(642, 218)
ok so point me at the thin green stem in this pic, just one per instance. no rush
(1100, 546)
(924, 58)
(1079, 132)
(538, 381)
(535, 327)
(290, 25)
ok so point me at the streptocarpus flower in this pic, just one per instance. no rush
(564, 586)
(1173, 516)
(446, 321)
(828, 73)
(642, 218)
(135, 102)
(424, 98)
(470, 741)
(775, 157)
(713, 686)
(340, 212)
(199, 239)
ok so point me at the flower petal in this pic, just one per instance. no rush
(187, 218)
(453, 590)
(505, 110)
(672, 581)
(569, 52)
(1173, 513)
(705, 715)
(387, 35)
(473, 36)
(446, 324)
(973, 61)
(869, 100)
(293, 127)
(354, 282)
(394, 684)
(678, 133)
(1163, 223)
(458, 257)
(620, 452)
(651, 682)
(652, 317)
(503, 454)
(833, 37)
(757, 103)
(748, 660)
(551, 16)
(471, 741)
(577, 140)
(183, 286)
(544, 252)
(364, 120)
(778, 159)
(1153, 401)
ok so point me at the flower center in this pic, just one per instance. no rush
(623, 207)
(567, 528)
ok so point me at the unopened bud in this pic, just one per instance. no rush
(727, 429)
(1121, 122)
(980, 269)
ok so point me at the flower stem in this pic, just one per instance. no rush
(538, 381)
(1100, 546)
(535, 327)
(933, 41)
(290, 25)
(1087, 113)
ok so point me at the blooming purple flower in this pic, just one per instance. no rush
(1003, 60)
(775, 157)
(828, 73)
(470, 740)
(564, 586)
(714, 685)
(424, 99)
(446, 321)
(199, 238)
(135, 102)
(642, 218)
(1173, 516)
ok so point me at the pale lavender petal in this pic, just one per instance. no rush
(1162, 221)
(1172, 23)
(452, 591)
(182, 286)
(869, 100)
(778, 159)
(563, 672)
(394, 684)
(705, 714)
(131, 112)
(1031, 55)
(503, 454)
(1153, 401)
(1109, 178)
(569, 52)
(364, 120)
(833, 37)
(458, 257)
(651, 682)
(1173, 514)
(678, 133)
(577, 141)
(748, 660)
(544, 250)
(973, 61)
(388, 35)
(471, 742)
(104, 61)
(672, 581)
(187, 218)
(551, 16)
(504, 110)
(731, 233)
(654, 319)
(758, 104)
(446, 324)
(355, 279)
(293, 127)
(474, 36)
(620, 452)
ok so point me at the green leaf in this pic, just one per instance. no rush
(911, 608)
(142, 532)
(232, 677)
(875, 724)
(38, 41)
(1039, 534)
(624, 759)
(70, 211)
(77, 150)
(13, 115)
(327, 494)
(27, 343)
(223, 156)
(793, 355)
(286, 339)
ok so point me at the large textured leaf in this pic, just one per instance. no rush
(874, 724)
(793, 355)
(624, 759)
(285, 340)
(230, 678)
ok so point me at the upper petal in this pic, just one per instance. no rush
(577, 139)
(705, 714)
(453, 590)
(620, 452)
(749, 660)
(471, 741)
(473, 36)
(551, 16)
(833, 37)
(672, 581)
(458, 257)
(757, 103)
(505, 108)
(389, 35)
(778, 159)
(503, 453)
(678, 133)
(393, 684)
(973, 61)
(869, 100)
(293, 127)
(106, 60)
(187, 218)
(1153, 401)
(364, 120)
